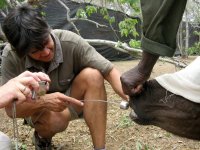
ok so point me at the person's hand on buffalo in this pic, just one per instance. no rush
(132, 80)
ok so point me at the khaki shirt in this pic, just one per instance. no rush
(72, 54)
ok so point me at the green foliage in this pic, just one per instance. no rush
(106, 16)
(168, 134)
(90, 10)
(43, 13)
(81, 13)
(23, 147)
(196, 33)
(109, 19)
(138, 145)
(125, 122)
(194, 50)
(136, 7)
(110, 0)
(128, 1)
(127, 27)
(133, 3)
(141, 146)
(3, 4)
(103, 11)
(135, 43)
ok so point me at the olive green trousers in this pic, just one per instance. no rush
(161, 19)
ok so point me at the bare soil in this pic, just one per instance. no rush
(122, 133)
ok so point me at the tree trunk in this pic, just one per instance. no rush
(186, 30)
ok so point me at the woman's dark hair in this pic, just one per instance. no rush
(25, 28)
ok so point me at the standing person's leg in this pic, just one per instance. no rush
(161, 19)
(89, 85)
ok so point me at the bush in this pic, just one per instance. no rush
(194, 50)
(135, 44)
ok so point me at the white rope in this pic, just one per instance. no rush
(15, 127)
(98, 100)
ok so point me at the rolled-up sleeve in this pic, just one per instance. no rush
(161, 19)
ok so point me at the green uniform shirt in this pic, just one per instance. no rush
(72, 54)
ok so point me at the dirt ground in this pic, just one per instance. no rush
(122, 133)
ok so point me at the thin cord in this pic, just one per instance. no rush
(167, 97)
(15, 127)
(98, 100)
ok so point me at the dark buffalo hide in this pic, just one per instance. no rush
(156, 106)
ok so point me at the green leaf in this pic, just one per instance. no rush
(138, 145)
(103, 11)
(81, 13)
(135, 43)
(3, 4)
(127, 27)
(111, 20)
(43, 13)
(194, 50)
(125, 121)
(90, 10)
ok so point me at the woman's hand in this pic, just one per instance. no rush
(20, 87)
